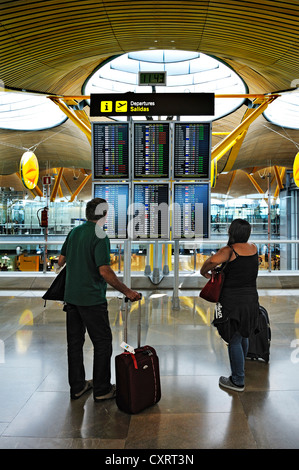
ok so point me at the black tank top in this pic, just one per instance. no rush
(241, 272)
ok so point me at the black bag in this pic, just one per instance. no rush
(137, 375)
(56, 289)
(259, 340)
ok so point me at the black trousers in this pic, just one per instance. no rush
(95, 320)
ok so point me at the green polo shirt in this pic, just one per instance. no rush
(85, 252)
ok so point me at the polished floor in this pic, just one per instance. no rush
(194, 413)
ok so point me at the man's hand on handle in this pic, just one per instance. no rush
(133, 296)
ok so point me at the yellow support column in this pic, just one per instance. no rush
(56, 185)
(239, 133)
(279, 178)
(80, 187)
(81, 122)
(255, 184)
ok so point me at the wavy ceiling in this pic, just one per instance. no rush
(52, 47)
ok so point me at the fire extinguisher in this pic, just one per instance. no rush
(44, 217)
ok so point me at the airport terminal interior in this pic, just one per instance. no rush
(184, 116)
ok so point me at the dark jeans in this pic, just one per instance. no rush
(95, 320)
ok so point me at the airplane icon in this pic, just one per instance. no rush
(121, 106)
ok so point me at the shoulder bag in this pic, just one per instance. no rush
(56, 289)
(212, 290)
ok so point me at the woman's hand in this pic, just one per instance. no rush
(208, 275)
(215, 260)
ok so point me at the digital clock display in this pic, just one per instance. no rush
(152, 78)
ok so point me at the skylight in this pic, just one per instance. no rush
(187, 72)
(284, 111)
(28, 112)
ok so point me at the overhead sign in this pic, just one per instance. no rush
(29, 170)
(152, 104)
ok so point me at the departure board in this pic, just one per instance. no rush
(117, 196)
(191, 210)
(151, 149)
(110, 148)
(150, 211)
(192, 150)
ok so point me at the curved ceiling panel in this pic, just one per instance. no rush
(42, 42)
(52, 47)
(62, 146)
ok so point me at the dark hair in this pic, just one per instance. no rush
(239, 231)
(96, 209)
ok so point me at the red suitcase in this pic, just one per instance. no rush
(137, 375)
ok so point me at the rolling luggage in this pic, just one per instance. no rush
(137, 374)
(259, 343)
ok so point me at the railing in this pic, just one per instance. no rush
(149, 256)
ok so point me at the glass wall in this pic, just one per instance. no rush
(254, 209)
(22, 238)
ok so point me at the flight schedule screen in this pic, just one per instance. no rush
(151, 150)
(191, 210)
(117, 196)
(110, 147)
(150, 211)
(192, 143)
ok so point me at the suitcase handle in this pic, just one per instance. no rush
(127, 298)
(139, 321)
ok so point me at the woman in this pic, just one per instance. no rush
(236, 314)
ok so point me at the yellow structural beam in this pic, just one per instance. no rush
(67, 185)
(220, 133)
(279, 178)
(80, 187)
(60, 193)
(213, 173)
(236, 147)
(78, 117)
(231, 181)
(36, 189)
(255, 184)
(56, 185)
(229, 141)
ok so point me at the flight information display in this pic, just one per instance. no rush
(150, 211)
(192, 150)
(151, 150)
(110, 148)
(191, 209)
(117, 196)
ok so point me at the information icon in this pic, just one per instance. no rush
(106, 106)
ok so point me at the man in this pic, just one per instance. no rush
(86, 251)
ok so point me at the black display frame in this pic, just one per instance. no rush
(118, 176)
(148, 237)
(206, 213)
(152, 176)
(113, 184)
(189, 176)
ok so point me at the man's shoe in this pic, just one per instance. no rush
(88, 386)
(227, 382)
(108, 396)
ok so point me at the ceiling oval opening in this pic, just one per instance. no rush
(186, 72)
